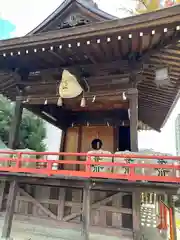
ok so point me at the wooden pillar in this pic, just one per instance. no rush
(171, 205)
(61, 204)
(13, 140)
(62, 146)
(133, 108)
(2, 189)
(86, 211)
(6, 230)
(136, 208)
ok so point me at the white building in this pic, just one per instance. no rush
(53, 139)
(177, 134)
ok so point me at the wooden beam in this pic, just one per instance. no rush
(99, 117)
(94, 205)
(86, 211)
(133, 105)
(45, 210)
(6, 230)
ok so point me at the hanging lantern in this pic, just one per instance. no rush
(69, 86)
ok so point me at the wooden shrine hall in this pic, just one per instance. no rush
(95, 77)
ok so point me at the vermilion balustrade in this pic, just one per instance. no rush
(166, 219)
(18, 159)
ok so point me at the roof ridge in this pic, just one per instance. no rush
(93, 7)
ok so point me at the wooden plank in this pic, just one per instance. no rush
(78, 205)
(94, 205)
(45, 210)
(61, 203)
(116, 216)
(94, 212)
(102, 211)
(40, 193)
(76, 202)
(6, 230)
(23, 205)
(86, 211)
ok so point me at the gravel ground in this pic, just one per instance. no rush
(26, 231)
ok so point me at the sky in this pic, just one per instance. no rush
(21, 16)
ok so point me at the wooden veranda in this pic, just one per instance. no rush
(116, 62)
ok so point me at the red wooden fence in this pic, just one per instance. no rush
(7, 166)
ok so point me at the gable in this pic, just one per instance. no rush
(72, 13)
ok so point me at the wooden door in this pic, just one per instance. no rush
(71, 145)
(104, 133)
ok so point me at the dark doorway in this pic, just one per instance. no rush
(124, 138)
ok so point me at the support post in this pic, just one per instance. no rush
(136, 209)
(62, 145)
(2, 189)
(9, 211)
(171, 205)
(13, 139)
(133, 108)
(86, 211)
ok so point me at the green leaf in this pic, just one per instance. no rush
(32, 129)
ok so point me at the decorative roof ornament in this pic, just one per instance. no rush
(90, 2)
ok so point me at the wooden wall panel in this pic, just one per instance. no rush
(78, 139)
(104, 133)
(61, 204)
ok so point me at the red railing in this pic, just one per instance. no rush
(17, 162)
(166, 219)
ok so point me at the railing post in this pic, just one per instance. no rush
(88, 165)
(132, 173)
(18, 160)
(49, 167)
